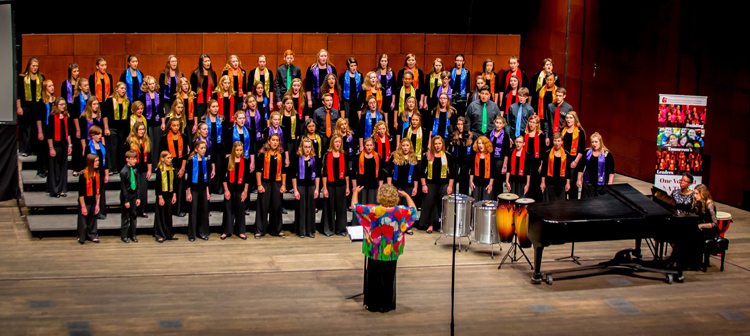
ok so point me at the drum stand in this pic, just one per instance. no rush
(459, 243)
(514, 248)
(572, 255)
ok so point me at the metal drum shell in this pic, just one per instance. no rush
(462, 205)
(485, 223)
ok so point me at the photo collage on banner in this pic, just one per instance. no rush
(680, 140)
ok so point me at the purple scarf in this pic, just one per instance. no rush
(498, 145)
(302, 167)
(258, 134)
(388, 77)
(316, 74)
(278, 131)
(151, 109)
(440, 91)
(599, 169)
(69, 98)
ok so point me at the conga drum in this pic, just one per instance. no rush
(505, 205)
(723, 218)
(485, 223)
(521, 221)
(460, 205)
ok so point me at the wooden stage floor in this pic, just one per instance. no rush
(293, 286)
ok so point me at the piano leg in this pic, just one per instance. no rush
(537, 278)
(637, 253)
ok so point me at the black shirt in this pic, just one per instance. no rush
(247, 178)
(306, 180)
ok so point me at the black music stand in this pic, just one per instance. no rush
(514, 248)
(572, 255)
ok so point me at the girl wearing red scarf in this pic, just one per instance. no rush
(518, 177)
(335, 188)
(574, 141)
(89, 192)
(534, 145)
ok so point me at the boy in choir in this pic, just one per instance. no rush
(554, 121)
(129, 198)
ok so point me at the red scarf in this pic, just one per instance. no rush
(551, 163)
(57, 127)
(90, 184)
(335, 99)
(240, 172)
(143, 152)
(556, 126)
(487, 165)
(201, 100)
(330, 167)
(387, 148)
(170, 143)
(362, 163)
(536, 143)
(510, 74)
(300, 106)
(267, 165)
(520, 164)
(509, 101)
(231, 104)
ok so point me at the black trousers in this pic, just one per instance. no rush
(462, 178)
(87, 225)
(41, 149)
(163, 219)
(268, 209)
(128, 219)
(304, 215)
(480, 193)
(143, 191)
(77, 162)
(116, 148)
(334, 210)
(155, 133)
(102, 194)
(25, 122)
(554, 190)
(180, 187)
(366, 196)
(535, 190)
(351, 107)
(57, 171)
(198, 217)
(234, 214)
(432, 206)
(218, 159)
(499, 182)
(380, 285)
(517, 188)
(589, 190)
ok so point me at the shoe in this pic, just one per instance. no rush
(24, 154)
(281, 235)
(247, 212)
(257, 236)
(181, 214)
(75, 174)
(343, 234)
(63, 195)
(80, 242)
(301, 236)
(243, 237)
(191, 239)
(204, 237)
(144, 215)
(134, 239)
(125, 240)
(223, 237)
(174, 238)
(100, 216)
(328, 234)
(317, 210)
(284, 211)
(409, 232)
(312, 235)
(95, 241)
(160, 240)
(54, 196)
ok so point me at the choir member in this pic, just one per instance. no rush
(129, 198)
(572, 133)
(445, 87)
(29, 87)
(265, 76)
(275, 128)
(235, 191)
(518, 177)
(544, 97)
(305, 183)
(170, 83)
(479, 82)
(514, 70)
(285, 74)
(418, 135)
(326, 116)
(186, 94)
(437, 176)
(177, 145)
(370, 118)
(348, 144)
(481, 172)
(417, 75)
(371, 87)
(367, 172)
(538, 80)
(255, 124)
(177, 111)
(270, 177)
(214, 121)
(60, 146)
(203, 82)
(315, 77)
(298, 97)
(227, 99)
(136, 115)
(96, 146)
(335, 188)
(292, 126)
(139, 142)
(597, 168)
(556, 171)
(480, 113)
(351, 83)
(404, 117)
(312, 135)
(133, 78)
(460, 78)
(433, 82)
(491, 79)
(197, 192)
(519, 113)
(237, 76)
(385, 75)
(510, 97)
(332, 87)
(535, 145)
(262, 103)
(152, 111)
(202, 135)
(70, 85)
(502, 144)
(40, 114)
(116, 119)
(165, 197)
(404, 171)
(405, 91)
(460, 144)
(89, 192)
(555, 113)
(442, 116)
(101, 80)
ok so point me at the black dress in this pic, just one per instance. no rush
(165, 187)
(437, 188)
(198, 173)
(334, 172)
(305, 172)
(237, 181)
(57, 170)
(554, 179)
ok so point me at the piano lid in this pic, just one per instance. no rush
(622, 202)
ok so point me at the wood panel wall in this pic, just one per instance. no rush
(55, 52)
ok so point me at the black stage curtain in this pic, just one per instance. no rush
(8, 164)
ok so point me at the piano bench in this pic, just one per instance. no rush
(716, 246)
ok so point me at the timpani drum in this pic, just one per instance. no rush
(723, 219)
(461, 204)
(505, 206)
(485, 223)
(521, 221)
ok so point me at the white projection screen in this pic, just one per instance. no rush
(7, 66)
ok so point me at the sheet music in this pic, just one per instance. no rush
(356, 233)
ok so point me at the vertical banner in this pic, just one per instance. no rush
(679, 143)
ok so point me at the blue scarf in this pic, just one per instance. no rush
(357, 81)
(406, 125)
(129, 82)
(92, 149)
(83, 100)
(195, 169)
(46, 121)
(368, 122)
(168, 88)
(437, 121)
(302, 167)
(518, 120)
(265, 106)
(395, 171)
(218, 129)
(463, 80)
(246, 140)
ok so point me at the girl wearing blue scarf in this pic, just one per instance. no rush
(404, 119)
(371, 116)
(214, 122)
(351, 82)
(80, 100)
(443, 117)
(133, 78)
(197, 192)
(96, 146)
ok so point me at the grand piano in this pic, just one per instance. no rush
(621, 213)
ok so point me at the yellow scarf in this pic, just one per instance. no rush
(134, 119)
(166, 176)
(266, 84)
(27, 87)
(402, 97)
(125, 104)
(418, 145)
(434, 76)
(443, 168)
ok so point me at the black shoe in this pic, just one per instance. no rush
(100, 216)
(301, 236)
(317, 210)
(327, 234)
(174, 238)
(312, 235)
(204, 237)
(63, 195)
(223, 237)
(181, 214)
(95, 241)
(243, 237)
(80, 242)
(125, 240)
(54, 196)
(191, 239)
(343, 234)
(134, 239)
(160, 240)
(410, 232)
(144, 215)
(284, 211)
(247, 212)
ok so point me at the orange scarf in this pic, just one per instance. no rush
(362, 163)
(170, 143)
(574, 145)
(90, 184)
(267, 165)
(487, 165)
(378, 96)
(191, 109)
(230, 72)
(536, 143)
(98, 86)
(415, 80)
(551, 163)
(542, 92)
(490, 80)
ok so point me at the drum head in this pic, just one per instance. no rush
(721, 215)
(485, 204)
(507, 197)
(525, 201)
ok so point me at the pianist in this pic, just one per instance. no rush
(683, 197)
(704, 207)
